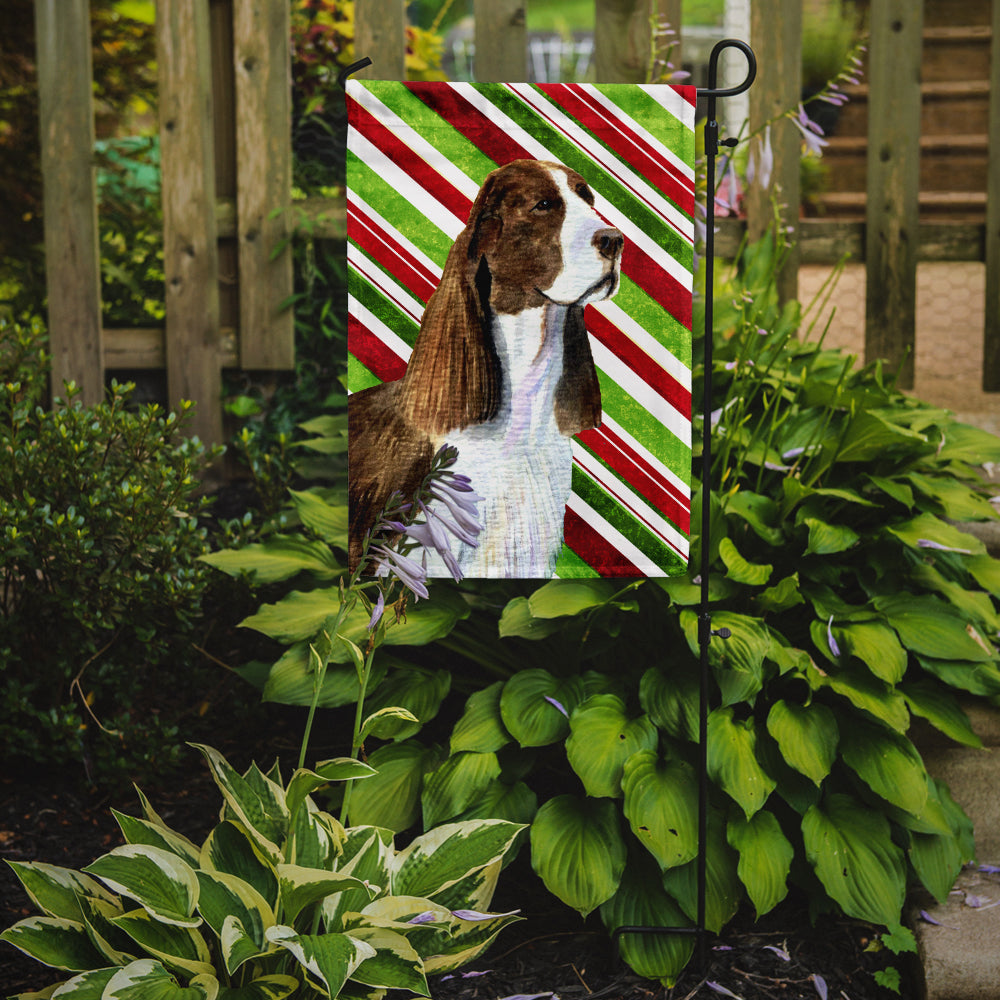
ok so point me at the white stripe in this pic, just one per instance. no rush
(629, 500)
(385, 285)
(644, 340)
(363, 208)
(393, 175)
(655, 463)
(613, 536)
(576, 134)
(371, 322)
(407, 133)
(641, 391)
(671, 101)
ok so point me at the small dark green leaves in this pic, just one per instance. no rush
(578, 851)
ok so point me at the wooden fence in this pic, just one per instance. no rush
(226, 161)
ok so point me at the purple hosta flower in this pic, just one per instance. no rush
(728, 195)
(990, 869)
(780, 952)
(927, 543)
(834, 648)
(820, 984)
(427, 917)
(558, 705)
(465, 975)
(812, 134)
(410, 573)
(719, 988)
(377, 611)
(475, 915)
(760, 166)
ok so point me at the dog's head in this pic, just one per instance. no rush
(534, 229)
(533, 239)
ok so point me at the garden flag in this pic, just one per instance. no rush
(520, 273)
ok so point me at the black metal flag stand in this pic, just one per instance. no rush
(705, 631)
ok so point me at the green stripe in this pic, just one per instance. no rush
(655, 551)
(359, 376)
(571, 567)
(646, 111)
(654, 319)
(568, 154)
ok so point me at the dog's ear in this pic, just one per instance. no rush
(453, 377)
(578, 393)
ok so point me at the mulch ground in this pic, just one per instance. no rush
(550, 953)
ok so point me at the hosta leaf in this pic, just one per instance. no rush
(304, 782)
(98, 916)
(230, 849)
(941, 709)
(602, 738)
(807, 736)
(530, 706)
(738, 661)
(765, 858)
(976, 678)
(441, 857)
(517, 620)
(866, 692)
(274, 987)
(180, 948)
(416, 689)
(54, 941)
(937, 860)
(931, 628)
(876, 646)
(301, 887)
(758, 511)
(739, 569)
(456, 784)
(671, 699)
(327, 520)
(986, 571)
(87, 986)
(367, 853)
(570, 597)
(850, 848)
(661, 800)
(827, 539)
(159, 881)
(395, 964)
(976, 605)
(147, 979)
(292, 681)
(732, 760)
(928, 528)
(225, 897)
(387, 723)
(888, 763)
(578, 851)
(141, 831)
(481, 727)
(516, 803)
(723, 889)
(466, 941)
(330, 959)
(391, 798)
(783, 595)
(280, 557)
(956, 500)
(641, 901)
(56, 891)
(870, 435)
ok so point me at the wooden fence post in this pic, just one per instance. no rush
(501, 40)
(622, 40)
(190, 251)
(893, 183)
(72, 255)
(991, 333)
(776, 34)
(380, 34)
(262, 61)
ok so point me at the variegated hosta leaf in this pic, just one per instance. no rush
(304, 782)
(661, 799)
(56, 891)
(481, 727)
(476, 890)
(256, 801)
(141, 831)
(315, 839)
(230, 849)
(441, 857)
(535, 706)
(329, 959)
(158, 880)
(177, 947)
(395, 964)
(116, 946)
(54, 941)
(87, 986)
(807, 735)
(642, 902)
(275, 987)
(765, 858)
(602, 737)
(467, 940)
(149, 980)
(850, 847)
(367, 854)
(238, 945)
(456, 784)
(300, 887)
(578, 851)
(732, 760)
(224, 897)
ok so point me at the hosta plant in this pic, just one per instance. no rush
(279, 900)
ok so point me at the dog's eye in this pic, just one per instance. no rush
(546, 204)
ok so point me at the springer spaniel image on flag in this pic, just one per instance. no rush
(520, 264)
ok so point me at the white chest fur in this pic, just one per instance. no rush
(519, 461)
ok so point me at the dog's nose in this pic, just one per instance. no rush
(609, 243)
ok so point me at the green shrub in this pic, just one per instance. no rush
(280, 899)
(99, 542)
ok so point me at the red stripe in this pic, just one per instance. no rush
(617, 441)
(623, 141)
(657, 283)
(414, 165)
(399, 262)
(656, 377)
(372, 353)
(689, 93)
(594, 550)
(651, 489)
(492, 140)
